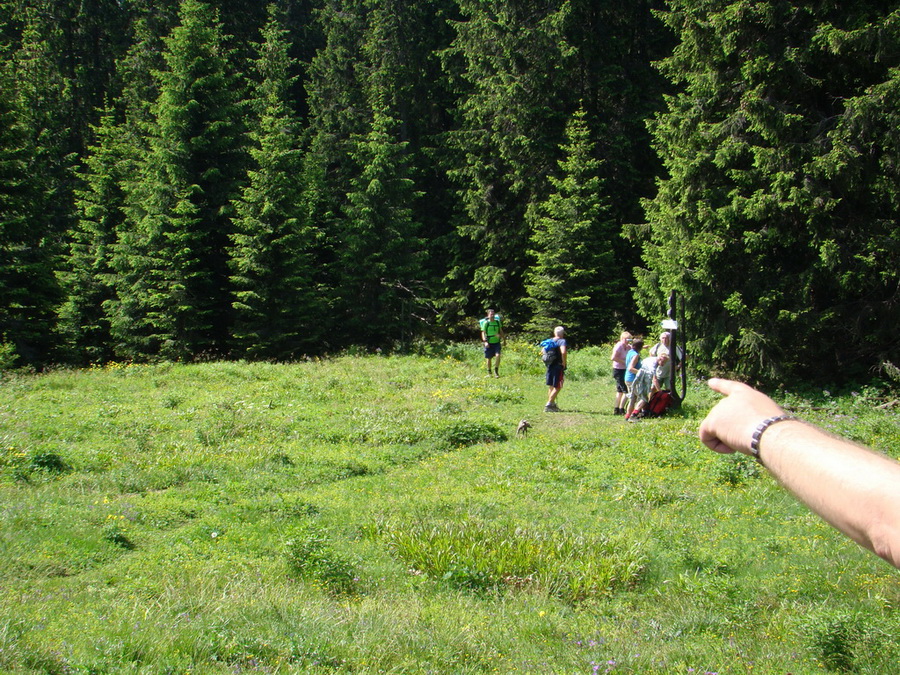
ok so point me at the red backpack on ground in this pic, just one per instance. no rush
(659, 402)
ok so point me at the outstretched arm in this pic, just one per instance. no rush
(852, 488)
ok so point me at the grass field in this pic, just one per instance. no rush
(378, 514)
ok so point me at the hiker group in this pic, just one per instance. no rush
(641, 383)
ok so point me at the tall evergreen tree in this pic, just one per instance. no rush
(28, 290)
(755, 222)
(109, 181)
(92, 36)
(377, 74)
(858, 268)
(573, 281)
(277, 304)
(507, 58)
(400, 62)
(172, 262)
(64, 63)
(89, 278)
(611, 71)
(337, 112)
(36, 108)
(337, 99)
(380, 251)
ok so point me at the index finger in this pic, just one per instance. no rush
(725, 387)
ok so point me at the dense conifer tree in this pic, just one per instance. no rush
(376, 81)
(755, 221)
(172, 261)
(507, 58)
(611, 70)
(109, 184)
(37, 108)
(380, 251)
(400, 47)
(89, 279)
(337, 105)
(337, 100)
(857, 273)
(28, 290)
(573, 280)
(277, 303)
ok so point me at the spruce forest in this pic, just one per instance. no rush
(184, 180)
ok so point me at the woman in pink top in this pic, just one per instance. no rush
(620, 350)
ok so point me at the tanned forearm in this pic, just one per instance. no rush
(855, 490)
(852, 488)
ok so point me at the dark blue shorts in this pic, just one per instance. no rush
(492, 350)
(556, 374)
(619, 377)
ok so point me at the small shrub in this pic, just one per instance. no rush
(458, 352)
(588, 445)
(351, 468)
(171, 402)
(8, 356)
(647, 494)
(280, 459)
(469, 578)
(115, 535)
(448, 408)
(736, 470)
(462, 433)
(48, 461)
(301, 508)
(502, 394)
(311, 556)
(834, 640)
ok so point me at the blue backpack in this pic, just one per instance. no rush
(550, 354)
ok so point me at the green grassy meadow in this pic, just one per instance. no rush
(378, 514)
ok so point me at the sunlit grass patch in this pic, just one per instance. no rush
(234, 517)
(480, 556)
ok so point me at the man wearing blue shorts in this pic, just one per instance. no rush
(556, 369)
(491, 334)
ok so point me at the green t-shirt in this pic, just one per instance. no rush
(491, 328)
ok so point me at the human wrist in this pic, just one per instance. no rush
(768, 433)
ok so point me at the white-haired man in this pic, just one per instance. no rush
(556, 366)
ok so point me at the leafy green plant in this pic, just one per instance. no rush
(114, 534)
(8, 355)
(49, 461)
(736, 470)
(835, 638)
(462, 433)
(477, 555)
(310, 554)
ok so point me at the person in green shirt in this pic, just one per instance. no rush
(491, 335)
